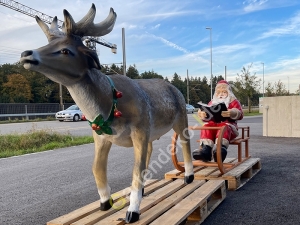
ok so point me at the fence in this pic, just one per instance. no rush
(27, 111)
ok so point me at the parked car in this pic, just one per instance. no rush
(73, 113)
(190, 108)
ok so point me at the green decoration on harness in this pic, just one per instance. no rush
(99, 121)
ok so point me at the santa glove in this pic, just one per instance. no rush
(201, 114)
(234, 113)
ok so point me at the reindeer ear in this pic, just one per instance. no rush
(92, 58)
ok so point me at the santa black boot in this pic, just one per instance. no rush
(223, 153)
(204, 154)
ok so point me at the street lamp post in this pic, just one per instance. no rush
(124, 54)
(263, 79)
(187, 87)
(210, 29)
(288, 85)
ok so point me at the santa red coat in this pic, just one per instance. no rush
(208, 137)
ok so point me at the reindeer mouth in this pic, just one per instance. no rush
(34, 62)
(29, 64)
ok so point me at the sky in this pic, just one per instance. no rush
(172, 37)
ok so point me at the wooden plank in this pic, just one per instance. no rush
(239, 176)
(195, 201)
(92, 207)
(244, 180)
(178, 174)
(149, 189)
(235, 172)
(173, 173)
(168, 203)
(235, 178)
(217, 173)
(205, 172)
(146, 203)
(211, 172)
(99, 215)
(161, 197)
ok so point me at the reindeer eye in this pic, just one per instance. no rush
(65, 51)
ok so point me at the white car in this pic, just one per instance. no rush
(73, 113)
(190, 108)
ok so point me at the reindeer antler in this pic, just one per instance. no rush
(85, 27)
(51, 32)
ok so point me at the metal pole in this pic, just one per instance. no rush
(124, 54)
(288, 84)
(187, 87)
(209, 28)
(27, 118)
(60, 97)
(263, 79)
(225, 72)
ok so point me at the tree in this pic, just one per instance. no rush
(177, 82)
(194, 97)
(246, 86)
(280, 89)
(298, 91)
(277, 89)
(17, 88)
(150, 74)
(269, 92)
(114, 69)
(132, 72)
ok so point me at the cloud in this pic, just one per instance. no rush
(170, 44)
(190, 55)
(289, 27)
(155, 27)
(254, 5)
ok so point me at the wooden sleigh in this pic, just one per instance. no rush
(225, 167)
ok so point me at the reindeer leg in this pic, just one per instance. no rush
(187, 157)
(149, 153)
(184, 136)
(140, 142)
(102, 148)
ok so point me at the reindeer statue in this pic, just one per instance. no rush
(150, 108)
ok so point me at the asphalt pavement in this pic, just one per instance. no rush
(37, 188)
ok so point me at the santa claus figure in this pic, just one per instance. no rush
(208, 138)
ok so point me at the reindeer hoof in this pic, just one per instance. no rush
(188, 179)
(106, 205)
(132, 217)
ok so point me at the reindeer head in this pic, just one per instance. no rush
(66, 59)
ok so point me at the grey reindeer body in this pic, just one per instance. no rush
(150, 108)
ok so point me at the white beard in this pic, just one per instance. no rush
(216, 100)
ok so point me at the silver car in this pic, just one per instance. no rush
(190, 108)
(73, 113)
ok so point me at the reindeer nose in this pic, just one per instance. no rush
(26, 53)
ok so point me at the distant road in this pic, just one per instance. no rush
(81, 128)
(74, 128)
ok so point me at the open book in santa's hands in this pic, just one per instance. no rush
(213, 112)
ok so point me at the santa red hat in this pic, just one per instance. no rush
(223, 82)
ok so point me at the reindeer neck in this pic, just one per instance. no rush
(93, 95)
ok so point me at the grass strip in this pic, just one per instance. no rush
(38, 141)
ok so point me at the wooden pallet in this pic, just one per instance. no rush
(235, 178)
(165, 202)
